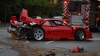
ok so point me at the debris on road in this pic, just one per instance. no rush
(40, 55)
(77, 49)
(27, 42)
(17, 41)
(50, 53)
(25, 50)
(99, 53)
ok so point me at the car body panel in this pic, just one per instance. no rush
(49, 33)
(62, 31)
(13, 20)
(87, 32)
(52, 31)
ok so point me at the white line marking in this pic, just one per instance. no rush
(49, 42)
(94, 39)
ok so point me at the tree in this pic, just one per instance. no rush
(58, 8)
(35, 7)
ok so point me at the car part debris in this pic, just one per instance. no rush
(77, 49)
(27, 42)
(50, 53)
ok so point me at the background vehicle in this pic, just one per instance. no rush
(84, 13)
(58, 17)
(94, 21)
(37, 17)
(40, 29)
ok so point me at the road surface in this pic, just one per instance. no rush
(91, 45)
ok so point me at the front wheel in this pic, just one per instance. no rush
(80, 35)
(38, 34)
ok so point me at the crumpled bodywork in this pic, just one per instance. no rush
(26, 19)
(13, 20)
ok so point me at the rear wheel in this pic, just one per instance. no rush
(80, 35)
(37, 34)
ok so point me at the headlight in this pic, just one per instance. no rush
(32, 23)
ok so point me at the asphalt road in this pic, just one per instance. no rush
(6, 50)
(91, 45)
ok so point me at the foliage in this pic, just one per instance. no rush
(35, 7)
(58, 8)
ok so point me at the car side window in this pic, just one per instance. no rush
(51, 22)
(58, 22)
(46, 23)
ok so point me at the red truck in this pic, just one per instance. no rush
(84, 13)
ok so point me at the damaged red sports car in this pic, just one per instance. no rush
(46, 28)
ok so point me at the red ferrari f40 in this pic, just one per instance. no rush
(45, 28)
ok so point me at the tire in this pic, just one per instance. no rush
(37, 34)
(80, 35)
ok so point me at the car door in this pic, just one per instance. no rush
(62, 31)
(49, 33)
